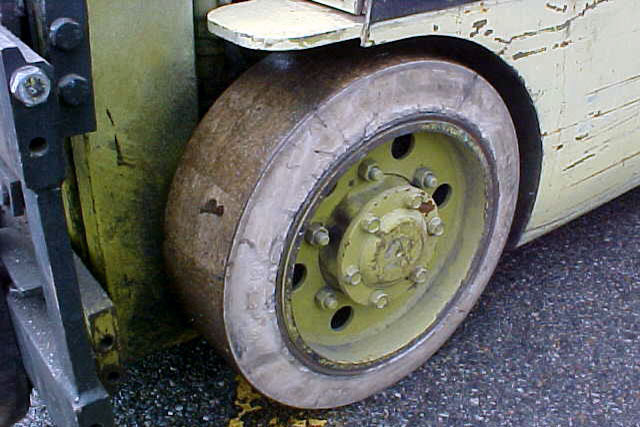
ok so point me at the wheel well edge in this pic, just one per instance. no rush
(511, 87)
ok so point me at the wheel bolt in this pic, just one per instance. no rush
(370, 171)
(327, 299)
(419, 275)
(352, 275)
(425, 179)
(371, 224)
(379, 299)
(435, 227)
(414, 201)
(317, 235)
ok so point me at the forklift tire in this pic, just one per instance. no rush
(14, 385)
(337, 214)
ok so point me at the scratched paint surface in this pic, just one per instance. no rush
(576, 58)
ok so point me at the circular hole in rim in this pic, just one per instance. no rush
(341, 318)
(442, 194)
(402, 146)
(299, 274)
(106, 343)
(38, 147)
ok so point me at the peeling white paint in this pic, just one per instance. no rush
(577, 58)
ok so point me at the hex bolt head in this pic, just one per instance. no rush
(414, 201)
(370, 171)
(435, 227)
(327, 299)
(66, 34)
(74, 90)
(317, 235)
(425, 179)
(370, 224)
(30, 85)
(352, 275)
(379, 299)
(419, 275)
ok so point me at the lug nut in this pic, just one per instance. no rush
(435, 227)
(414, 201)
(370, 224)
(327, 299)
(379, 299)
(352, 275)
(370, 171)
(317, 235)
(419, 275)
(30, 85)
(425, 179)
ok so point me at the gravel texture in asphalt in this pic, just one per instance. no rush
(554, 341)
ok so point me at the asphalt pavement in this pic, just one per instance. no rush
(554, 341)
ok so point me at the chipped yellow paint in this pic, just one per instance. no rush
(245, 396)
(576, 58)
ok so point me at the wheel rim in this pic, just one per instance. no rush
(382, 249)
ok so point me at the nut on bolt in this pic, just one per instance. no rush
(66, 34)
(30, 85)
(419, 275)
(317, 235)
(370, 171)
(379, 299)
(425, 179)
(370, 223)
(327, 299)
(435, 227)
(352, 275)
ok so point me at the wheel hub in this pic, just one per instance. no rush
(385, 246)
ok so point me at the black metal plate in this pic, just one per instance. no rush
(382, 10)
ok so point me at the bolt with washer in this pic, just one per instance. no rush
(425, 179)
(30, 85)
(317, 235)
(419, 275)
(379, 299)
(370, 223)
(435, 227)
(327, 299)
(370, 171)
(352, 275)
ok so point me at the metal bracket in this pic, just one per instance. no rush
(60, 33)
(48, 319)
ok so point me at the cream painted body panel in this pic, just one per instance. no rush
(576, 57)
